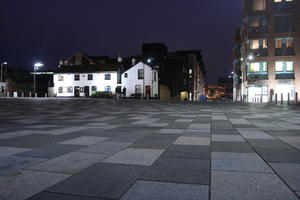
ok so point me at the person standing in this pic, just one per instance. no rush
(124, 92)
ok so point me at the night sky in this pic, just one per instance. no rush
(50, 30)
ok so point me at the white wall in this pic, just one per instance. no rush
(132, 80)
(98, 81)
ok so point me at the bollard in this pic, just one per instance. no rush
(22, 95)
(276, 98)
(7, 94)
(35, 95)
(45, 95)
(288, 98)
(281, 98)
(29, 94)
(296, 98)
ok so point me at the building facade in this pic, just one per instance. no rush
(269, 51)
(141, 79)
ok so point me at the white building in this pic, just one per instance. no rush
(83, 76)
(140, 79)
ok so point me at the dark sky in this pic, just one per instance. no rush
(48, 30)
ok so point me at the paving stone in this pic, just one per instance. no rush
(151, 144)
(182, 140)
(188, 151)
(158, 124)
(238, 147)
(293, 141)
(135, 157)
(8, 151)
(198, 126)
(11, 164)
(85, 140)
(196, 133)
(161, 136)
(183, 120)
(171, 131)
(224, 132)
(282, 155)
(179, 170)
(105, 148)
(248, 186)
(25, 183)
(50, 151)
(57, 196)
(257, 143)
(227, 138)
(255, 135)
(70, 163)
(240, 162)
(105, 181)
(289, 172)
(148, 190)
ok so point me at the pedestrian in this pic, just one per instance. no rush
(124, 92)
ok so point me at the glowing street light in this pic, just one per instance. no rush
(250, 57)
(35, 68)
(1, 79)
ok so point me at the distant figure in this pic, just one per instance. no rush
(203, 97)
(124, 92)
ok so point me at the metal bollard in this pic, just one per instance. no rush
(289, 99)
(46, 95)
(276, 98)
(29, 94)
(7, 94)
(281, 98)
(22, 95)
(35, 95)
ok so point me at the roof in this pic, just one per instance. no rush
(88, 68)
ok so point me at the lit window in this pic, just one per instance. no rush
(289, 66)
(279, 66)
(259, 5)
(290, 43)
(258, 44)
(254, 44)
(254, 67)
(107, 88)
(277, 1)
(284, 43)
(264, 67)
(107, 76)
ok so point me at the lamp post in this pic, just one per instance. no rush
(1, 81)
(35, 68)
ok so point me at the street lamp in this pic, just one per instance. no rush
(35, 68)
(1, 79)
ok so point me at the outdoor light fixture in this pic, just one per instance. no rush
(35, 68)
(149, 60)
(250, 57)
(37, 65)
(1, 76)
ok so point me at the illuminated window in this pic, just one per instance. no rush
(258, 67)
(284, 43)
(289, 66)
(279, 66)
(284, 66)
(254, 67)
(259, 5)
(258, 44)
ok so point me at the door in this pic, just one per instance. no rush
(86, 91)
(76, 91)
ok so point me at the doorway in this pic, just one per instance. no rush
(76, 91)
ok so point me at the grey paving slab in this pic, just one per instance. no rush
(151, 144)
(198, 126)
(182, 140)
(293, 141)
(23, 184)
(105, 148)
(57, 196)
(134, 156)
(171, 131)
(10, 164)
(289, 172)
(282, 155)
(196, 133)
(148, 190)
(8, 151)
(105, 181)
(227, 138)
(85, 140)
(224, 132)
(183, 120)
(188, 151)
(70, 163)
(239, 162)
(238, 147)
(179, 170)
(50, 151)
(256, 135)
(248, 186)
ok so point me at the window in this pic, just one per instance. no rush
(140, 74)
(107, 76)
(90, 77)
(138, 89)
(284, 23)
(107, 89)
(70, 89)
(125, 75)
(259, 5)
(94, 88)
(258, 67)
(284, 66)
(258, 44)
(257, 21)
(278, 1)
(284, 43)
(60, 78)
(76, 77)
(60, 90)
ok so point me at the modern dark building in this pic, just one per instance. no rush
(270, 51)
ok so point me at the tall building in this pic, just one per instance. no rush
(270, 50)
